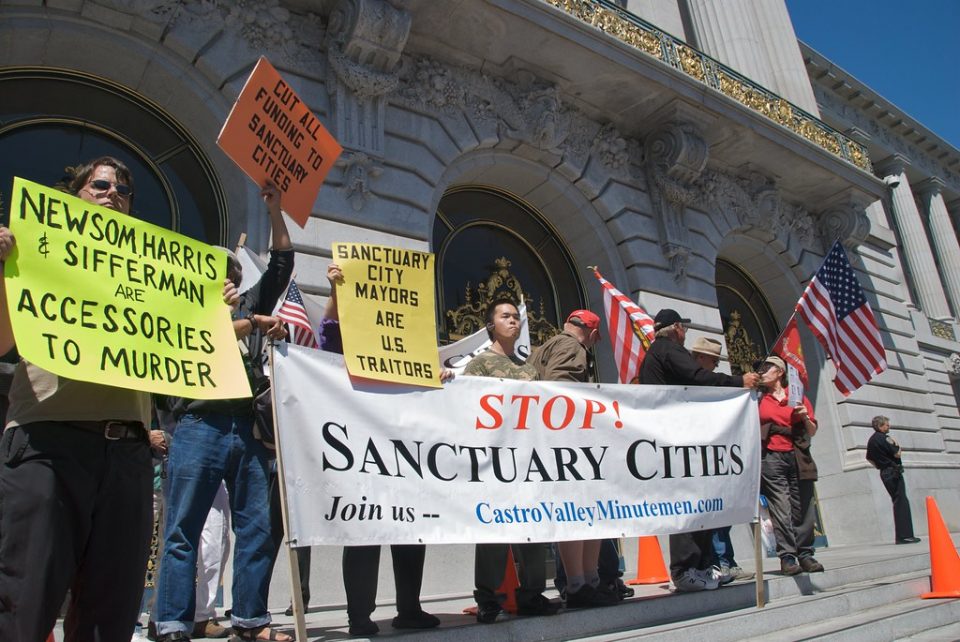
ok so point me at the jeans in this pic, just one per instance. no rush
(205, 450)
(723, 547)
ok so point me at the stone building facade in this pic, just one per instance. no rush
(693, 150)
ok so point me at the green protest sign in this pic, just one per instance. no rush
(96, 295)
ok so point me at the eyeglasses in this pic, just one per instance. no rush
(102, 185)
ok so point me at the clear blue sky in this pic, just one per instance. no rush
(905, 50)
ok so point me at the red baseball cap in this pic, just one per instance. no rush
(586, 319)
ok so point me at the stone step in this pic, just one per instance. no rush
(878, 624)
(768, 623)
(850, 584)
(948, 633)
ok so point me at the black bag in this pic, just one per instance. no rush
(263, 414)
(263, 429)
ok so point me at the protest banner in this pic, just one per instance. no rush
(99, 296)
(272, 135)
(387, 294)
(455, 356)
(491, 460)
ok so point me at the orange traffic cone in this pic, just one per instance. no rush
(508, 586)
(944, 561)
(650, 566)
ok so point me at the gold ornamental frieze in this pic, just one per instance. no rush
(467, 318)
(645, 37)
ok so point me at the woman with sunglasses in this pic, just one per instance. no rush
(76, 481)
(787, 471)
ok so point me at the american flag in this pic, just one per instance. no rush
(837, 312)
(630, 329)
(295, 315)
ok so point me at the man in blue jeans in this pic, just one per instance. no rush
(214, 441)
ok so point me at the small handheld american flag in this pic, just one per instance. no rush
(294, 314)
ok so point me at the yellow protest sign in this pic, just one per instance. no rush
(386, 313)
(96, 295)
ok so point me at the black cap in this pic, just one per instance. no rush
(667, 317)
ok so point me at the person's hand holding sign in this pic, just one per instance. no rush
(271, 196)
(6, 242)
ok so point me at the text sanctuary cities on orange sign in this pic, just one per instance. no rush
(272, 135)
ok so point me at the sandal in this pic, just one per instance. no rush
(257, 633)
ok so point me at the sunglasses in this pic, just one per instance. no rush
(102, 186)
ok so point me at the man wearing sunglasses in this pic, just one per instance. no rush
(76, 481)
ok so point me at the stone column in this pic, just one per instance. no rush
(944, 237)
(789, 74)
(756, 38)
(728, 31)
(916, 249)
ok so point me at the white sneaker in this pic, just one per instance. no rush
(712, 577)
(692, 580)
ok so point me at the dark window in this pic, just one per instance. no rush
(489, 244)
(52, 120)
(749, 325)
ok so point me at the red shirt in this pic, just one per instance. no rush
(780, 413)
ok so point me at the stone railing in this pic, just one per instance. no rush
(628, 28)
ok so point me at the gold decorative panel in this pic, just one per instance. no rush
(645, 37)
(501, 283)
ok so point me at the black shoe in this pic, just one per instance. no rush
(623, 590)
(420, 620)
(810, 565)
(908, 540)
(289, 610)
(175, 636)
(589, 597)
(789, 566)
(363, 628)
(488, 612)
(539, 605)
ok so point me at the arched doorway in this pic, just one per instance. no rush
(490, 244)
(749, 325)
(51, 120)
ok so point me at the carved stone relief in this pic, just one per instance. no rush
(675, 156)
(265, 26)
(846, 222)
(952, 364)
(364, 45)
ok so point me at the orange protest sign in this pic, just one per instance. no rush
(273, 136)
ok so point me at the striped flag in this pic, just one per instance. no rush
(630, 329)
(837, 312)
(294, 314)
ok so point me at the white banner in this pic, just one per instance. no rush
(491, 460)
(456, 356)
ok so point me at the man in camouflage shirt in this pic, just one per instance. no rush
(503, 327)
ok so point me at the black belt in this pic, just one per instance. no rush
(113, 430)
